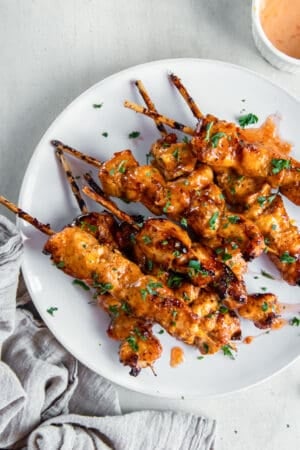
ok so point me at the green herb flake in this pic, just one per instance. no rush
(223, 309)
(185, 140)
(212, 221)
(149, 265)
(295, 322)
(226, 256)
(263, 288)
(167, 206)
(121, 166)
(280, 164)
(287, 258)
(247, 119)
(105, 134)
(267, 275)
(139, 334)
(81, 284)
(144, 293)
(205, 348)
(200, 357)
(92, 228)
(195, 268)
(164, 242)
(125, 307)
(175, 154)
(208, 130)
(216, 137)
(146, 239)
(161, 331)
(233, 219)
(112, 172)
(134, 134)
(60, 264)
(132, 343)
(52, 310)
(174, 281)
(186, 298)
(114, 310)
(264, 307)
(274, 226)
(227, 351)
(102, 288)
(184, 222)
(177, 253)
(97, 105)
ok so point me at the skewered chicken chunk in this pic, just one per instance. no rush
(108, 271)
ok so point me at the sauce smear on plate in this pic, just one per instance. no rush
(280, 20)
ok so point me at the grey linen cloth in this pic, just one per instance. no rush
(48, 400)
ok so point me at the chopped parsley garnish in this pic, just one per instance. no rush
(144, 294)
(200, 357)
(186, 298)
(216, 137)
(112, 171)
(52, 310)
(60, 264)
(280, 164)
(174, 280)
(148, 158)
(105, 134)
(267, 275)
(147, 239)
(263, 288)
(134, 134)
(149, 265)
(205, 347)
(161, 331)
(223, 309)
(274, 226)
(175, 154)
(183, 222)
(177, 253)
(150, 289)
(125, 307)
(226, 256)
(295, 322)
(247, 119)
(132, 343)
(121, 166)
(102, 288)
(264, 307)
(97, 105)
(114, 310)
(212, 221)
(208, 129)
(164, 242)
(185, 140)
(233, 219)
(167, 206)
(261, 200)
(195, 268)
(287, 258)
(81, 284)
(90, 227)
(227, 351)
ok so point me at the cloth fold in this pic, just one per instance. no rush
(49, 400)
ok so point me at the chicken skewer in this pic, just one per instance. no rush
(123, 327)
(123, 177)
(256, 152)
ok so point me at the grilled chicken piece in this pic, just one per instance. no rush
(139, 347)
(108, 271)
(173, 159)
(267, 210)
(257, 153)
(263, 310)
(194, 199)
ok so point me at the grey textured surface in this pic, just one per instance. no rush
(51, 51)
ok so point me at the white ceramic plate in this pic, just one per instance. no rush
(225, 91)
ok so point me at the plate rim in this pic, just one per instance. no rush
(140, 389)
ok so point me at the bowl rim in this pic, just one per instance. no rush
(256, 19)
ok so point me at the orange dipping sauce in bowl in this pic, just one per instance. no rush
(280, 20)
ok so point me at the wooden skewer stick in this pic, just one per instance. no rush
(66, 149)
(150, 105)
(189, 100)
(27, 217)
(160, 118)
(111, 206)
(71, 180)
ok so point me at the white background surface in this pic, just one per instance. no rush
(50, 52)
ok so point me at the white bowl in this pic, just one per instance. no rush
(274, 56)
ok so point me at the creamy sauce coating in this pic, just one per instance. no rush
(280, 20)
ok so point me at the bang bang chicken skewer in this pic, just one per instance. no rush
(79, 254)
(139, 348)
(252, 195)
